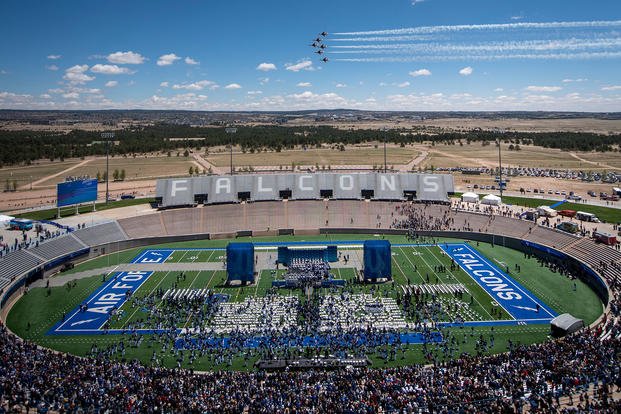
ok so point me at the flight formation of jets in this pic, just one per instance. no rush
(318, 43)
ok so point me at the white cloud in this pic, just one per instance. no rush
(52, 67)
(467, 71)
(54, 57)
(254, 92)
(498, 90)
(45, 96)
(167, 60)
(517, 17)
(303, 65)
(76, 75)
(304, 84)
(264, 81)
(111, 84)
(266, 67)
(341, 85)
(611, 88)
(110, 69)
(403, 84)
(575, 80)
(233, 86)
(415, 2)
(55, 90)
(190, 61)
(534, 88)
(420, 72)
(195, 86)
(164, 84)
(71, 95)
(126, 58)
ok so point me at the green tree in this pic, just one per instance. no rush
(14, 185)
(115, 175)
(191, 170)
(186, 153)
(98, 177)
(122, 175)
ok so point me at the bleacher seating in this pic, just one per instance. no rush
(15, 264)
(509, 226)
(58, 247)
(143, 226)
(100, 234)
(550, 237)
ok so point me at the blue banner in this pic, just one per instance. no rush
(76, 192)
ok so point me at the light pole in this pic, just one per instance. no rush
(500, 131)
(231, 131)
(107, 136)
(384, 130)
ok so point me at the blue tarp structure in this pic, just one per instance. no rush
(377, 259)
(560, 203)
(240, 262)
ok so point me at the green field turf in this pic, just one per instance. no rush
(40, 309)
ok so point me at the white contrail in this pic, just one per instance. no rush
(497, 47)
(389, 38)
(529, 56)
(479, 27)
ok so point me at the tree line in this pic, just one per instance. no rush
(27, 146)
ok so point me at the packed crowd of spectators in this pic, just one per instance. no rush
(540, 377)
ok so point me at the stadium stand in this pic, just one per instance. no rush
(550, 237)
(579, 373)
(58, 247)
(142, 226)
(16, 264)
(509, 226)
(100, 234)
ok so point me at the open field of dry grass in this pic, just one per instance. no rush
(476, 155)
(25, 174)
(138, 168)
(602, 126)
(351, 156)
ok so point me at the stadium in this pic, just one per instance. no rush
(322, 292)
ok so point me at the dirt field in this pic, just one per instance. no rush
(138, 168)
(601, 126)
(24, 175)
(351, 156)
(475, 155)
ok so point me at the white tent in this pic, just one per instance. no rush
(491, 199)
(4, 220)
(470, 197)
(546, 211)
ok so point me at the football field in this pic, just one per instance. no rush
(469, 288)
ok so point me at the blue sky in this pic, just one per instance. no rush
(430, 55)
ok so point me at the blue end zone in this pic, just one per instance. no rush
(154, 256)
(109, 296)
(515, 299)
